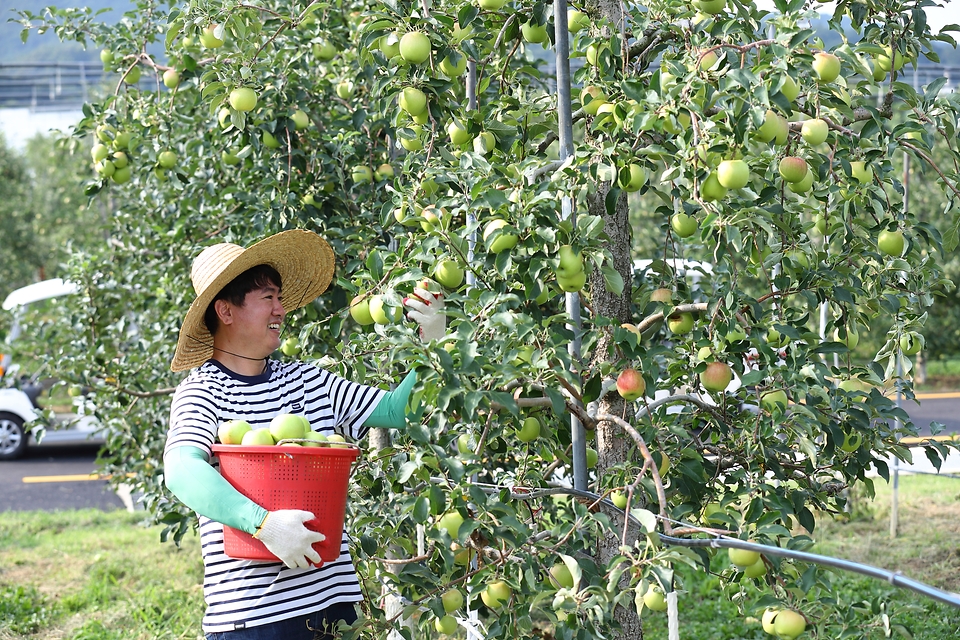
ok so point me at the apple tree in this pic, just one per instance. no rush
(423, 140)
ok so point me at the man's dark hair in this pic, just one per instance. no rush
(237, 289)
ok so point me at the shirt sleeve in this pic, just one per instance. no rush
(351, 404)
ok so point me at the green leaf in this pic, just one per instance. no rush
(613, 279)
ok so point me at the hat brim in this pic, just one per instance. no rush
(305, 263)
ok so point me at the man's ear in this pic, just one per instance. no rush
(224, 311)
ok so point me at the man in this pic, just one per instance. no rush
(227, 337)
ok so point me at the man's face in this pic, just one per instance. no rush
(259, 321)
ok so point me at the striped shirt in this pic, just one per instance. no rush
(239, 593)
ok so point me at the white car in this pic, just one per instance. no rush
(18, 405)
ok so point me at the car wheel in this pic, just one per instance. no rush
(13, 439)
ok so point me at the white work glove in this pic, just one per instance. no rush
(426, 309)
(283, 534)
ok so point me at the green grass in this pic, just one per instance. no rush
(87, 574)
(925, 549)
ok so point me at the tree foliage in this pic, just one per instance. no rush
(682, 91)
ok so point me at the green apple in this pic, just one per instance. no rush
(571, 261)
(167, 159)
(491, 5)
(232, 431)
(133, 76)
(466, 444)
(447, 625)
(415, 143)
(484, 143)
(632, 177)
(414, 47)
(680, 323)
(577, 21)
(458, 134)
(529, 430)
(453, 69)
(662, 295)
(776, 339)
(433, 218)
(851, 340)
(325, 51)
(120, 176)
(122, 140)
(630, 384)
(851, 441)
(243, 99)
(890, 60)
(412, 100)
(506, 239)
(99, 152)
(208, 37)
(360, 309)
(286, 426)
(290, 346)
(258, 438)
(804, 185)
(496, 593)
(120, 160)
(654, 600)
(270, 141)
(450, 522)
(106, 57)
(711, 190)
(381, 312)
(315, 436)
(733, 174)
(345, 89)
(814, 131)
(572, 283)
(911, 343)
(789, 89)
(861, 172)
(448, 273)
(891, 242)
(716, 377)
(789, 624)
(711, 7)
(768, 618)
(535, 33)
(561, 575)
(743, 557)
(827, 66)
(756, 570)
(171, 78)
(362, 174)
(793, 169)
(384, 172)
(300, 119)
(772, 400)
(619, 499)
(774, 127)
(683, 225)
(105, 168)
(591, 97)
(593, 457)
(452, 600)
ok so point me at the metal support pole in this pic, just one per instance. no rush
(471, 217)
(565, 121)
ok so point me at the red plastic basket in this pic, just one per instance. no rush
(313, 479)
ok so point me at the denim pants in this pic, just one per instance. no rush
(316, 626)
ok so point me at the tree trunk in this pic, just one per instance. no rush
(612, 444)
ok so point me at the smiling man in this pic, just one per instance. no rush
(227, 338)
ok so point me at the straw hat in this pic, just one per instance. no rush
(304, 260)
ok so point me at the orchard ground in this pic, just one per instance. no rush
(89, 574)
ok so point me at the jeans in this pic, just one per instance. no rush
(319, 625)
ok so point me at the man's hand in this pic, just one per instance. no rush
(284, 534)
(426, 308)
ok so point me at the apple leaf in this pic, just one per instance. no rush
(613, 279)
(646, 519)
(573, 566)
(407, 469)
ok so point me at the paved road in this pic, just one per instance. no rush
(50, 478)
